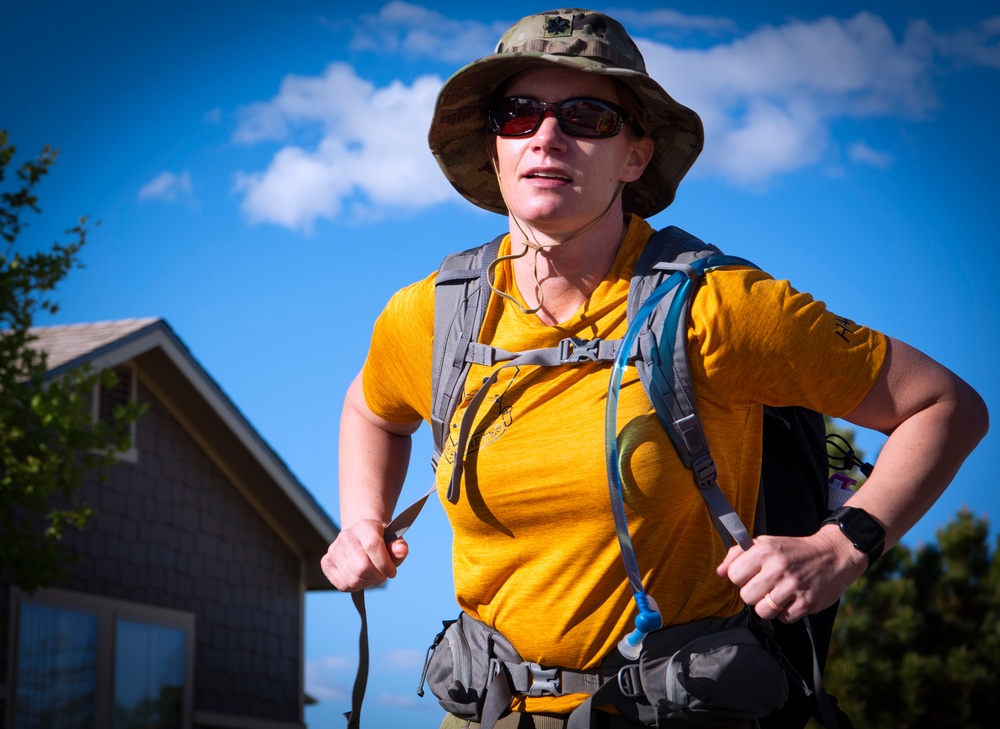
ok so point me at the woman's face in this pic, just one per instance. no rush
(556, 182)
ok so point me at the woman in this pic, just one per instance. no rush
(564, 132)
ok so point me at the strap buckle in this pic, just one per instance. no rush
(574, 349)
(705, 472)
(629, 681)
(544, 681)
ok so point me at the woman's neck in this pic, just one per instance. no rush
(567, 271)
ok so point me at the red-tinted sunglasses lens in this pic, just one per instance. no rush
(517, 116)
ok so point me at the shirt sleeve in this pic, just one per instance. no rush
(396, 377)
(756, 340)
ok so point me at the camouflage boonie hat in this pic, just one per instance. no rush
(576, 39)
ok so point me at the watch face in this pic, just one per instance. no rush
(865, 532)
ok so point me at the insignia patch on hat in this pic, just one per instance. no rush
(556, 26)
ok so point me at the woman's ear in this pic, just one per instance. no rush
(640, 153)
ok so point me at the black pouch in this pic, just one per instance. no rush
(462, 662)
(708, 673)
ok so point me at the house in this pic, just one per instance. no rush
(186, 607)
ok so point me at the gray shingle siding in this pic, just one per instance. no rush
(171, 530)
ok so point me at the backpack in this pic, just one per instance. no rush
(795, 496)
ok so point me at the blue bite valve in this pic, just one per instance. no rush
(646, 622)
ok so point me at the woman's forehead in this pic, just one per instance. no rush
(561, 83)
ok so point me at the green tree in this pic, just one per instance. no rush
(917, 639)
(48, 438)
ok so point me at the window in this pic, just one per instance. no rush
(85, 662)
(149, 676)
(56, 668)
(106, 399)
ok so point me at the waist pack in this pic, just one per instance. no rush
(705, 673)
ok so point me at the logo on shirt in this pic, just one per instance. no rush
(493, 422)
(844, 328)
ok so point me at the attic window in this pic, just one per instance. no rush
(106, 399)
(111, 397)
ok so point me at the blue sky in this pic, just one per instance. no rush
(261, 178)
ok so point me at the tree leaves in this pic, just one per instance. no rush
(48, 438)
(917, 639)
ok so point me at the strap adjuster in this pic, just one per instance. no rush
(574, 349)
(705, 472)
(544, 681)
(629, 681)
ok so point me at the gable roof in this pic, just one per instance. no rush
(167, 367)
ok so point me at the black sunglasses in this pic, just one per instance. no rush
(519, 116)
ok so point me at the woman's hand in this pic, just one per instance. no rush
(360, 558)
(786, 578)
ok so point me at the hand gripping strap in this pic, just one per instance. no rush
(395, 529)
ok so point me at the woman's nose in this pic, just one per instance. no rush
(549, 131)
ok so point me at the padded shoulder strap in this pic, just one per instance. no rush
(461, 293)
(662, 361)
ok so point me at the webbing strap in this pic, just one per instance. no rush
(568, 351)
(603, 688)
(824, 706)
(361, 677)
(395, 529)
(607, 694)
(498, 696)
(725, 519)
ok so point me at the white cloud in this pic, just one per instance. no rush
(860, 152)
(773, 139)
(169, 187)
(671, 20)
(373, 151)
(326, 678)
(978, 45)
(768, 99)
(415, 31)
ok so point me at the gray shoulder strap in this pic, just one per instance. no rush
(663, 366)
(671, 392)
(461, 293)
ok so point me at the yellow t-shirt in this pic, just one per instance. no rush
(535, 552)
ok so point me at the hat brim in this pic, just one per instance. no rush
(459, 134)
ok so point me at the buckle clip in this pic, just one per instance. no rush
(493, 670)
(574, 349)
(705, 472)
(544, 682)
(629, 681)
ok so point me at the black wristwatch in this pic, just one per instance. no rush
(866, 534)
